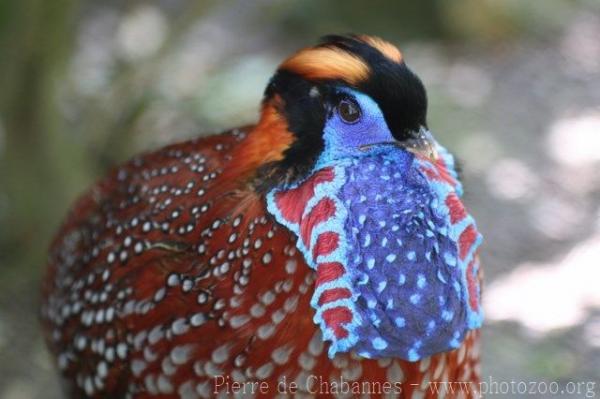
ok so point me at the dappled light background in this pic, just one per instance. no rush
(514, 90)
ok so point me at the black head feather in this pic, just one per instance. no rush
(305, 100)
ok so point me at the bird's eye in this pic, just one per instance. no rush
(349, 111)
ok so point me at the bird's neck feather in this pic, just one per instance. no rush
(266, 141)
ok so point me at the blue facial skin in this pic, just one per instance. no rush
(408, 290)
(343, 140)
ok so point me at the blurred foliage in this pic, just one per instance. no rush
(57, 139)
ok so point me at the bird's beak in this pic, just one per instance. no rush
(421, 143)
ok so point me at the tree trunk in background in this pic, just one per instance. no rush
(35, 183)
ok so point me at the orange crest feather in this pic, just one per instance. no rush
(327, 63)
(385, 48)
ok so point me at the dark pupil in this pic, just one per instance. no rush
(349, 111)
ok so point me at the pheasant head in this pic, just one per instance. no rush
(373, 200)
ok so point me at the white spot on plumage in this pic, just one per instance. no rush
(149, 355)
(424, 364)
(224, 268)
(80, 342)
(306, 361)
(235, 302)
(220, 354)
(109, 354)
(352, 372)
(187, 391)
(304, 382)
(282, 354)
(212, 369)
(202, 298)
(278, 316)
(155, 335)
(180, 326)
(181, 354)
(197, 319)
(315, 346)
(150, 384)
(138, 366)
(379, 343)
(167, 367)
(102, 369)
(461, 354)
(418, 394)
(164, 385)
(370, 263)
(99, 316)
(89, 386)
(238, 376)
(395, 373)
(257, 310)
(267, 257)
(237, 221)
(199, 368)
(421, 281)
(265, 371)
(290, 266)
(239, 360)
(441, 365)
(239, 320)
(173, 280)
(475, 350)
(232, 238)
(367, 241)
(265, 331)
(340, 361)
(291, 303)
(268, 297)
(159, 295)
(122, 350)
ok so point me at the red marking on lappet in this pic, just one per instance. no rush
(327, 242)
(335, 318)
(442, 169)
(291, 203)
(457, 210)
(466, 240)
(333, 295)
(329, 271)
(473, 285)
(438, 172)
(322, 211)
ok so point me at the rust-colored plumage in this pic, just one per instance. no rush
(170, 279)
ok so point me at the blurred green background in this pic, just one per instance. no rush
(514, 91)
